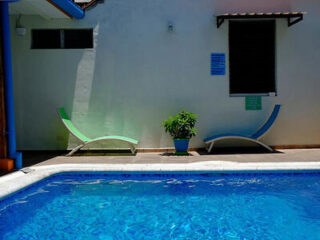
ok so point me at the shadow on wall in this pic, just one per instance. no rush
(41, 93)
(59, 94)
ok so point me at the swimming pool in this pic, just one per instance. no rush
(165, 206)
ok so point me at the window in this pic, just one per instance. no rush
(62, 38)
(78, 38)
(46, 39)
(252, 57)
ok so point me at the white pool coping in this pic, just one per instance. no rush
(16, 181)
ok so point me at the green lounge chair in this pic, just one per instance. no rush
(85, 140)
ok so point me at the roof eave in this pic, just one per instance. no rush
(69, 8)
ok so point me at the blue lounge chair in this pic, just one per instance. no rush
(253, 138)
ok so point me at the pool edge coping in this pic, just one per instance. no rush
(16, 181)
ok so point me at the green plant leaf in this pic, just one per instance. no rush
(182, 125)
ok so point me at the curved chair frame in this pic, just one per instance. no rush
(85, 140)
(253, 138)
(112, 138)
(241, 138)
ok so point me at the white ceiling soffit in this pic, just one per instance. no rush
(36, 7)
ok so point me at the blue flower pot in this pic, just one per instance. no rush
(181, 145)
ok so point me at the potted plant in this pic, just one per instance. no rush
(181, 127)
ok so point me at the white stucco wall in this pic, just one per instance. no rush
(139, 73)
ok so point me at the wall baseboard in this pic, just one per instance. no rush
(166, 150)
(296, 146)
(169, 150)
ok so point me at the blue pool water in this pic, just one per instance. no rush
(165, 206)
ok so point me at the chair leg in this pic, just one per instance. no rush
(210, 148)
(265, 146)
(75, 149)
(133, 149)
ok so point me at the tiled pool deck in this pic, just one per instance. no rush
(286, 160)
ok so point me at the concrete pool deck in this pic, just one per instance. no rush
(292, 155)
(286, 160)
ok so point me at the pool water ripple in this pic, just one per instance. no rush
(78, 206)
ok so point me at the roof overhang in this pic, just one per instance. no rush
(68, 7)
(48, 10)
(292, 17)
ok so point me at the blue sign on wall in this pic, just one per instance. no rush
(218, 64)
